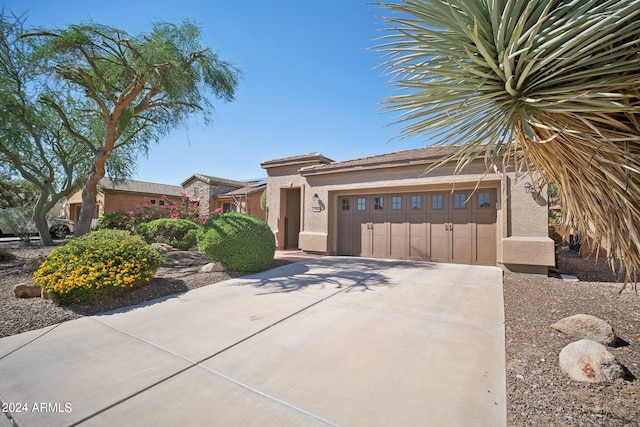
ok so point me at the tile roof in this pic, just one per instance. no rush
(423, 155)
(294, 160)
(215, 180)
(131, 186)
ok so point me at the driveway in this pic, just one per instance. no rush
(326, 341)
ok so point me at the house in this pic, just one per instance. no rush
(207, 192)
(213, 193)
(124, 196)
(385, 206)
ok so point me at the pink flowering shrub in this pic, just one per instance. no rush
(148, 212)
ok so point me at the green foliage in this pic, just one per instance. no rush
(242, 242)
(33, 142)
(101, 261)
(263, 200)
(134, 88)
(18, 221)
(179, 233)
(16, 192)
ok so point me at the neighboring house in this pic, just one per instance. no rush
(213, 193)
(124, 196)
(384, 206)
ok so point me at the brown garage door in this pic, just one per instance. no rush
(440, 226)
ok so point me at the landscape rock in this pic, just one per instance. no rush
(27, 290)
(213, 267)
(589, 361)
(34, 263)
(588, 327)
(163, 247)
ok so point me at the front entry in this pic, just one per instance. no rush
(439, 226)
(290, 217)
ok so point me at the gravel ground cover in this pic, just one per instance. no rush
(538, 393)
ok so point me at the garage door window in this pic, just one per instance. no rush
(396, 202)
(345, 204)
(378, 203)
(436, 201)
(416, 202)
(362, 204)
(460, 201)
(484, 200)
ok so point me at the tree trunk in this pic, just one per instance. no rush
(40, 219)
(90, 192)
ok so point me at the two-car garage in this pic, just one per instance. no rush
(440, 226)
(386, 206)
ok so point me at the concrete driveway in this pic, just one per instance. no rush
(327, 341)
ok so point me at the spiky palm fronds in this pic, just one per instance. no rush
(555, 82)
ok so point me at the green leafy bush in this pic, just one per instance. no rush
(179, 233)
(242, 242)
(101, 261)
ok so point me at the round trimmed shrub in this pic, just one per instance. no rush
(179, 233)
(100, 261)
(242, 242)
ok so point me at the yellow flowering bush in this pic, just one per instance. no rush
(97, 262)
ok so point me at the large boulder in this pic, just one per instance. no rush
(27, 290)
(213, 267)
(589, 361)
(585, 326)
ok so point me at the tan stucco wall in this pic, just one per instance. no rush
(525, 239)
(280, 179)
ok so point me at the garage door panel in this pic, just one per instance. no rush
(438, 226)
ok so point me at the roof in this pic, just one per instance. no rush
(214, 180)
(131, 186)
(245, 190)
(296, 160)
(424, 155)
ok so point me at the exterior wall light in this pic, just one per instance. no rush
(527, 187)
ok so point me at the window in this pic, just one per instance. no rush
(460, 201)
(152, 201)
(345, 204)
(362, 204)
(378, 203)
(161, 202)
(416, 202)
(436, 201)
(396, 202)
(484, 200)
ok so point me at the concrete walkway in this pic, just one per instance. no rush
(327, 341)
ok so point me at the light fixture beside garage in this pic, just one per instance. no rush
(316, 205)
(527, 187)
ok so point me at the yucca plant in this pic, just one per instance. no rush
(549, 84)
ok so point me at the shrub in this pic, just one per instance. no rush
(100, 261)
(179, 233)
(242, 242)
(114, 220)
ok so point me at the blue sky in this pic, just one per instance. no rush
(311, 82)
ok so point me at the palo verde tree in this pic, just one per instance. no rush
(553, 84)
(136, 88)
(33, 142)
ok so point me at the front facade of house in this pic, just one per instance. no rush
(386, 207)
(227, 195)
(207, 192)
(123, 196)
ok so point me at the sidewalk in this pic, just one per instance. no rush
(325, 341)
